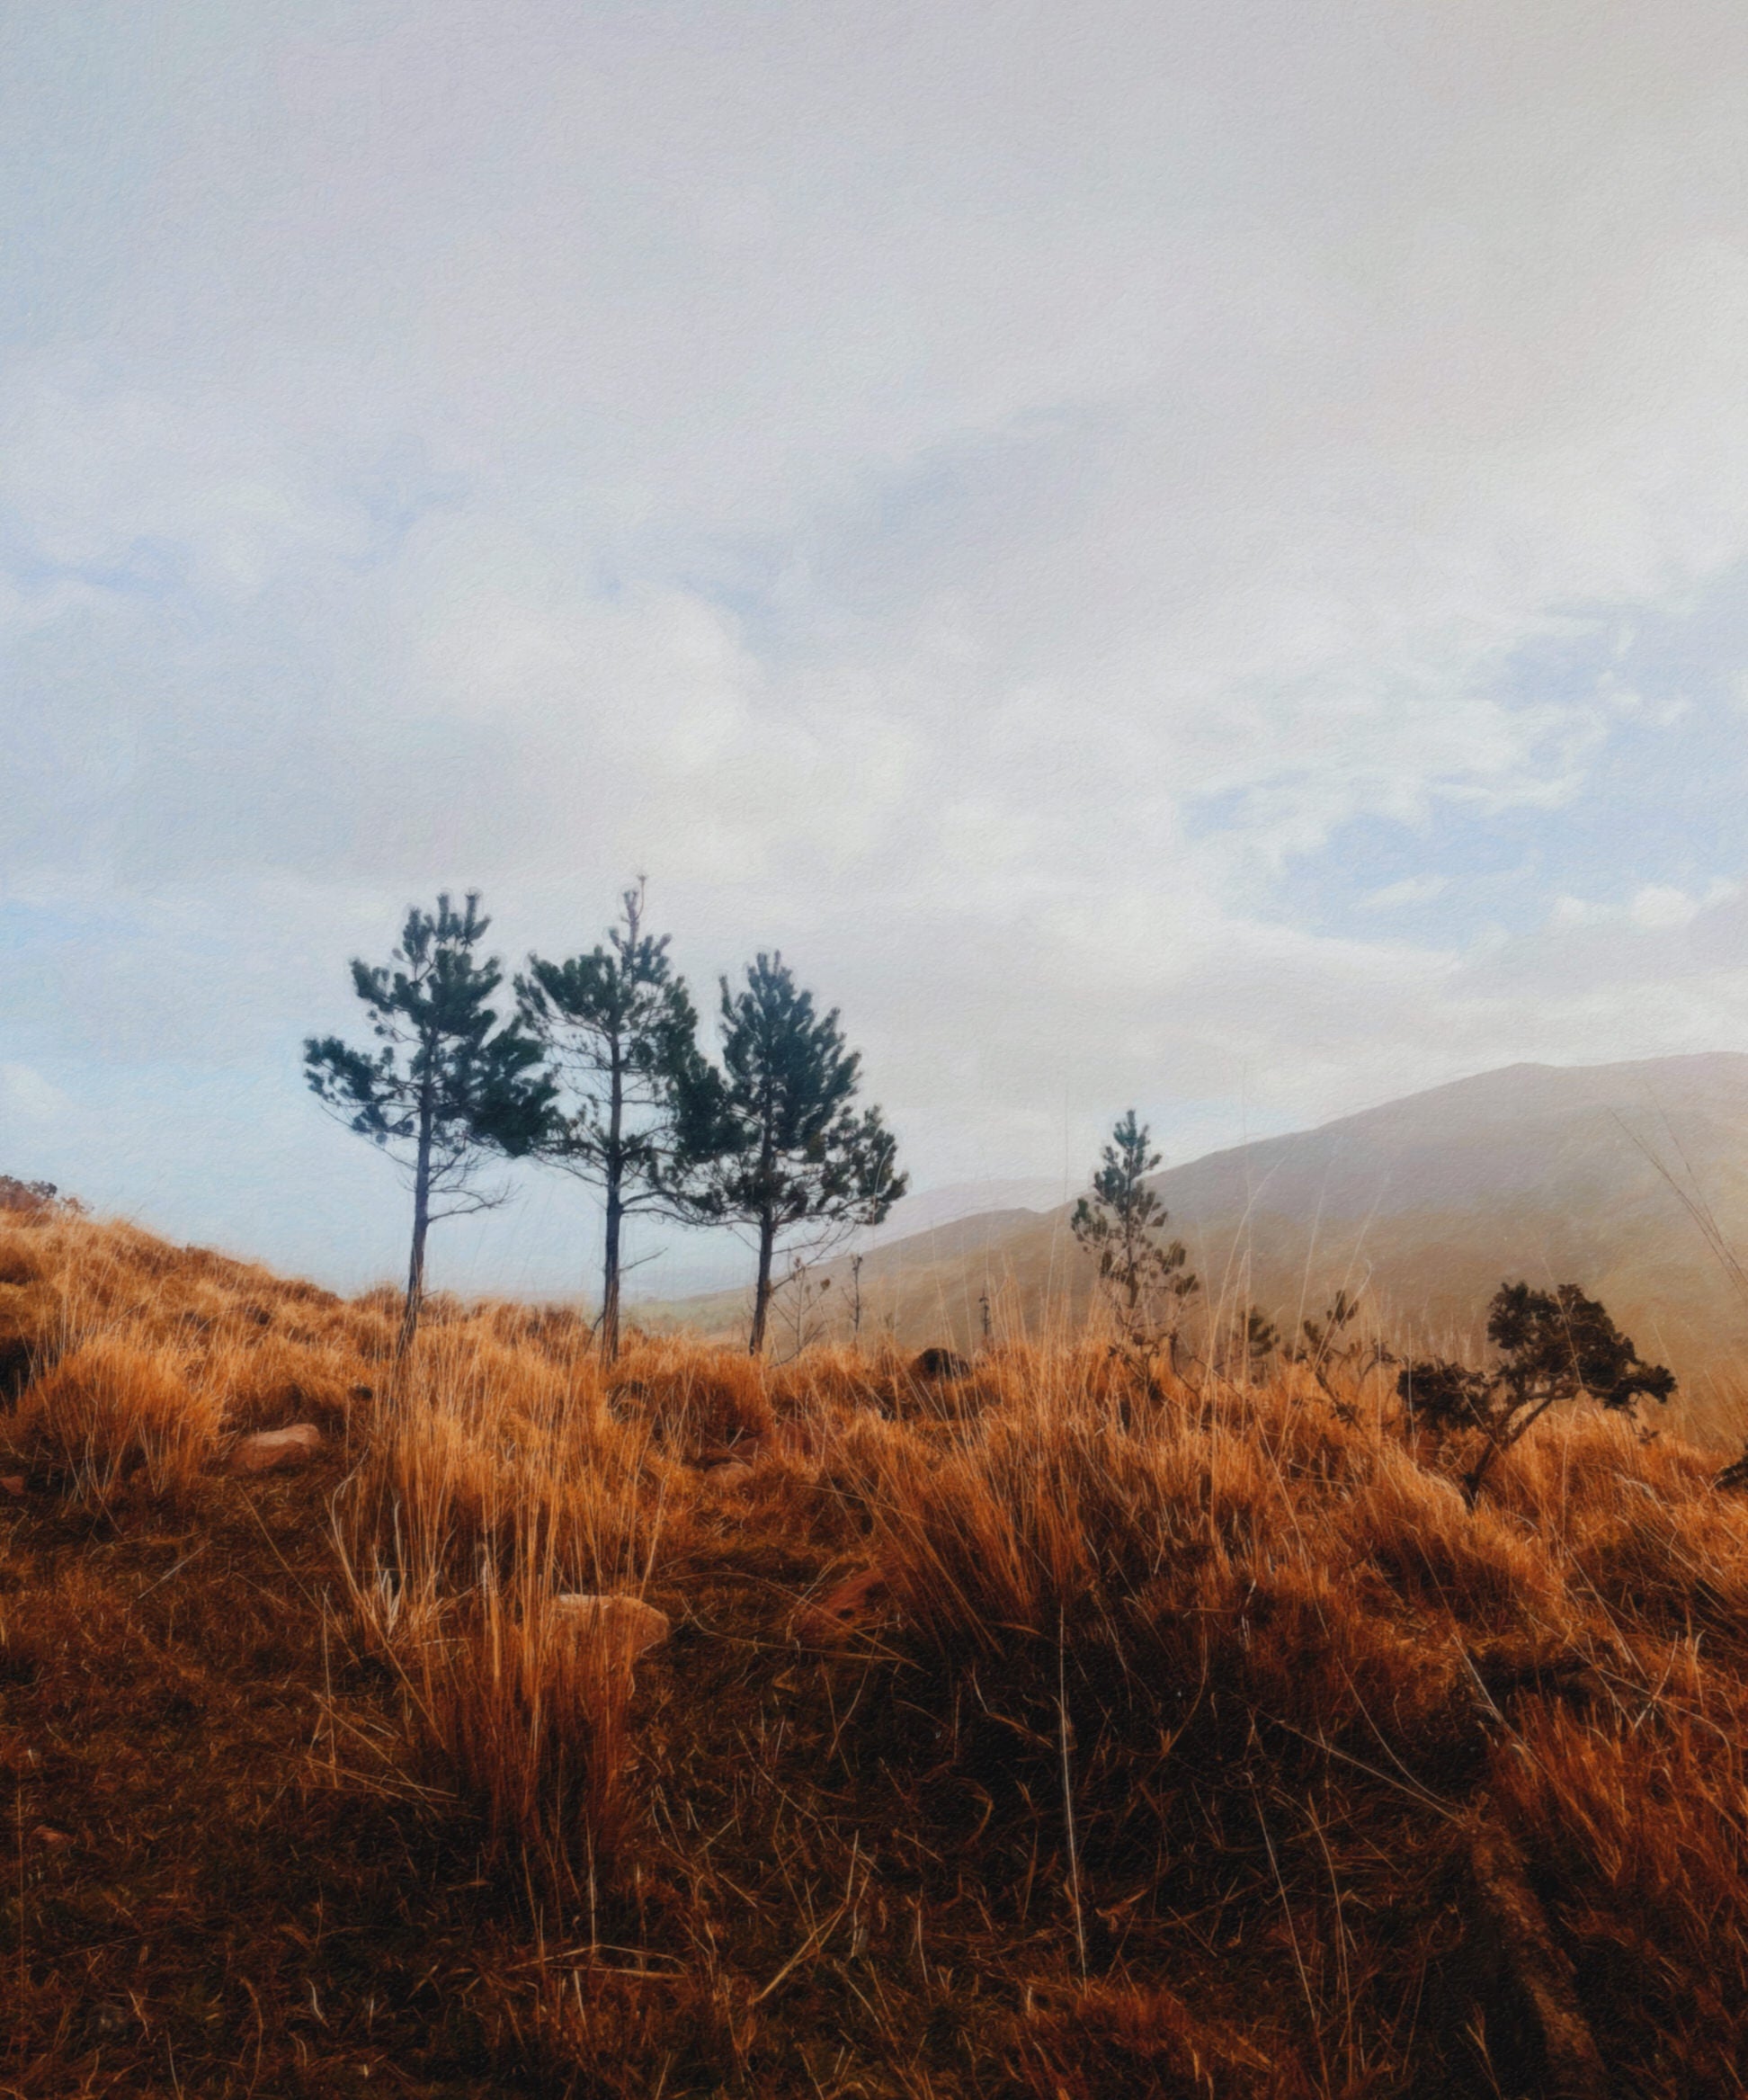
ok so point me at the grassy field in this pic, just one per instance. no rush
(1054, 1730)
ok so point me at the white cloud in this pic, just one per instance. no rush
(1660, 906)
(973, 504)
(1411, 891)
(1654, 907)
(26, 1096)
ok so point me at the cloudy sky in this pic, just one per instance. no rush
(1184, 553)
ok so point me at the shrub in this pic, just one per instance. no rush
(33, 1199)
(1553, 1347)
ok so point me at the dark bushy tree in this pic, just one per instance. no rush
(1122, 1223)
(448, 1088)
(1553, 1346)
(622, 1035)
(788, 1150)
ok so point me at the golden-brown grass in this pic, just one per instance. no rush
(1060, 1728)
(137, 1359)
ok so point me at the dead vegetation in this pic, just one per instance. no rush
(1032, 1726)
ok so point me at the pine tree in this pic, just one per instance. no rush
(790, 1149)
(1122, 1223)
(621, 1033)
(448, 1088)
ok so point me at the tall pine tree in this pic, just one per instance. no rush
(621, 1033)
(790, 1149)
(448, 1088)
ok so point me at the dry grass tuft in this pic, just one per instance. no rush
(112, 1415)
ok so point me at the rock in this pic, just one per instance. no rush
(274, 1449)
(937, 1363)
(624, 1626)
(46, 1834)
(858, 1603)
(729, 1473)
(12, 1484)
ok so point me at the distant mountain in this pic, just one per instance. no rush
(1560, 1174)
(710, 1269)
(929, 1209)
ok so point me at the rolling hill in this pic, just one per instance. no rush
(1567, 1174)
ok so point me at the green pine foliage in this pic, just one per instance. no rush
(448, 1088)
(1145, 1278)
(620, 1034)
(789, 1149)
(1262, 1337)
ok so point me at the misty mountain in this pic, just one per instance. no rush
(708, 1266)
(1556, 1174)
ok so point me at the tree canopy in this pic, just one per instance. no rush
(788, 1150)
(1553, 1346)
(1122, 1223)
(448, 1087)
(620, 1034)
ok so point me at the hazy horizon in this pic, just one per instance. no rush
(1190, 558)
(669, 1261)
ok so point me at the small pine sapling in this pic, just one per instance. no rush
(1554, 1346)
(1261, 1338)
(803, 1295)
(1144, 1278)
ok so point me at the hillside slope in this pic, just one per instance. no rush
(1536, 1171)
(1053, 1732)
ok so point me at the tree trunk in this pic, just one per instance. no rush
(761, 1289)
(609, 1275)
(1472, 1481)
(409, 1325)
(609, 1281)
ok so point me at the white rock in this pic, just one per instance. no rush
(271, 1448)
(624, 1626)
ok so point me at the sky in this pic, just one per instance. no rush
(1185, 554)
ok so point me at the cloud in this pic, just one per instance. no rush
(1411, 891)
(27, 1096)
(1088, 539)
(1657, 908)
